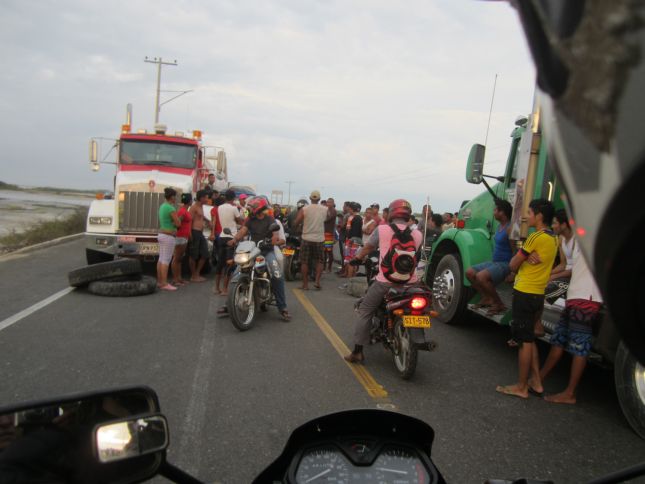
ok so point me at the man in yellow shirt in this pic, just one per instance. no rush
(532, 263)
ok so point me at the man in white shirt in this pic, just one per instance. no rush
(312, 246)
(574, 332)
(229, 218)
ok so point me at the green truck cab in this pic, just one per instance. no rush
(528, 175)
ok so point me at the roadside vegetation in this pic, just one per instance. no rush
(45, 230)
(53, 190)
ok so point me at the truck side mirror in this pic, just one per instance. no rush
(475, 167)
(94, 155)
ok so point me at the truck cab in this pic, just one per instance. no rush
(146, 163)
(528, 175)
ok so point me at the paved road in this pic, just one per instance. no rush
(232, 398)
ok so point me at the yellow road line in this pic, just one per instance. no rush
(364, 377)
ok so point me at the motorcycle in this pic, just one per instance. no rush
(121, 436)
(250, 286)
(291, 252)
(400, 321)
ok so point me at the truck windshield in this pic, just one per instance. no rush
(133, 152)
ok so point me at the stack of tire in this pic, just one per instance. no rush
(118, 278)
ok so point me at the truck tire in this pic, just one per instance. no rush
(629, 378)
(96, 257)
(96, 272)
(449, 295)
(141, 287)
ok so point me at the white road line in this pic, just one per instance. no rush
(189, 451)
(32, 309)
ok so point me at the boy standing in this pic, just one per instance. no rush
(532, 263)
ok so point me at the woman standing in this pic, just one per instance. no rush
(183, 236)
(168, 224)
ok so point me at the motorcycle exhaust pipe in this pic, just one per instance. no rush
(427, 346)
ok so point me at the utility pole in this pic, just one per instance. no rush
(159, 63)
(289, 196)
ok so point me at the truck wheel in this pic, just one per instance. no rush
(629, 378)
(449, 295)
(96, 272)
(96, 257)
(125, 288)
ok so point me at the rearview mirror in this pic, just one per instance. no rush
(56, 438)
(274, 227)
(125, 439)
(475, 166)
(227, 231)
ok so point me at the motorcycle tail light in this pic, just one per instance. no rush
(259, 260)
(418, 302)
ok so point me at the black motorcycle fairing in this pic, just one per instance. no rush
(371, 424)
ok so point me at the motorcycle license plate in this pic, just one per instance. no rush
(288, 251)
(416, 321)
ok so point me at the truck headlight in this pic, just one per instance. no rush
(101, 220)
(241, 258)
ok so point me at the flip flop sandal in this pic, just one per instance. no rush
(495, 311)
(285, 315)
(536, 393)
(480, 306)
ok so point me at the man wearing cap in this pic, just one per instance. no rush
(312, 248)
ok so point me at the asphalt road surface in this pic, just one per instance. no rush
(233, 398)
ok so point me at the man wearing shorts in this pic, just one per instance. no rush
(313, 219)
(573, 333)
(229, 218)
(198, 250)
(533, 263)
(485, 276)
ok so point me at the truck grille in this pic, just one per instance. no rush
(139, 212)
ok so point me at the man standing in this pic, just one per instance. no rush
(400, 213)
(198, 246)
(313, 219)
(330, 227)
(574, 332)
(533, 263)
(229, 218)
(210, 184)
(342, 232)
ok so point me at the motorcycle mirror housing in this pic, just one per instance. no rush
(274, 227)
(227, 231)
(63, 429)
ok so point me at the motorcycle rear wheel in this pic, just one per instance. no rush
(289, 274)
(241, 311)
(404, 353)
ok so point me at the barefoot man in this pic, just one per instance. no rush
(574, 332)
(533, 263)
(198, 246)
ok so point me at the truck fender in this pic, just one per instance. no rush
(102, 208)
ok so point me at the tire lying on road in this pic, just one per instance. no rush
(124, 288)
(96, 272)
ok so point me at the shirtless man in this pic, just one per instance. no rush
(198, 249)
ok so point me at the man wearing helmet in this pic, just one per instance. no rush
(257, 227)
(293, 227)
(400, 212)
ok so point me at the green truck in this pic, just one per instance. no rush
(528, 175)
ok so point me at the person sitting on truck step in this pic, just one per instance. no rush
(198, 250)
(561, 273)
(533, 263)
(485, 276)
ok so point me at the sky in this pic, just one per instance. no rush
(364, 100)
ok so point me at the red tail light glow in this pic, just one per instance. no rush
(418, 302)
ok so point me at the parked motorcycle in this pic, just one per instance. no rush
(291, 252)
(250, 287)
(400, 321)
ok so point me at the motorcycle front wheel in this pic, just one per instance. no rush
(242, 306)
(404, 353)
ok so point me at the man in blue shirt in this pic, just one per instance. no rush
(485, 276)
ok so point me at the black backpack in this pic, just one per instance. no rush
(400, 261)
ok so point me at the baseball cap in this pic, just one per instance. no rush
(315, 195)
(244, 196)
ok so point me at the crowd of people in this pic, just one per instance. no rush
(547, 267)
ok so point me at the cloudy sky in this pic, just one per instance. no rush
(366, 100)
